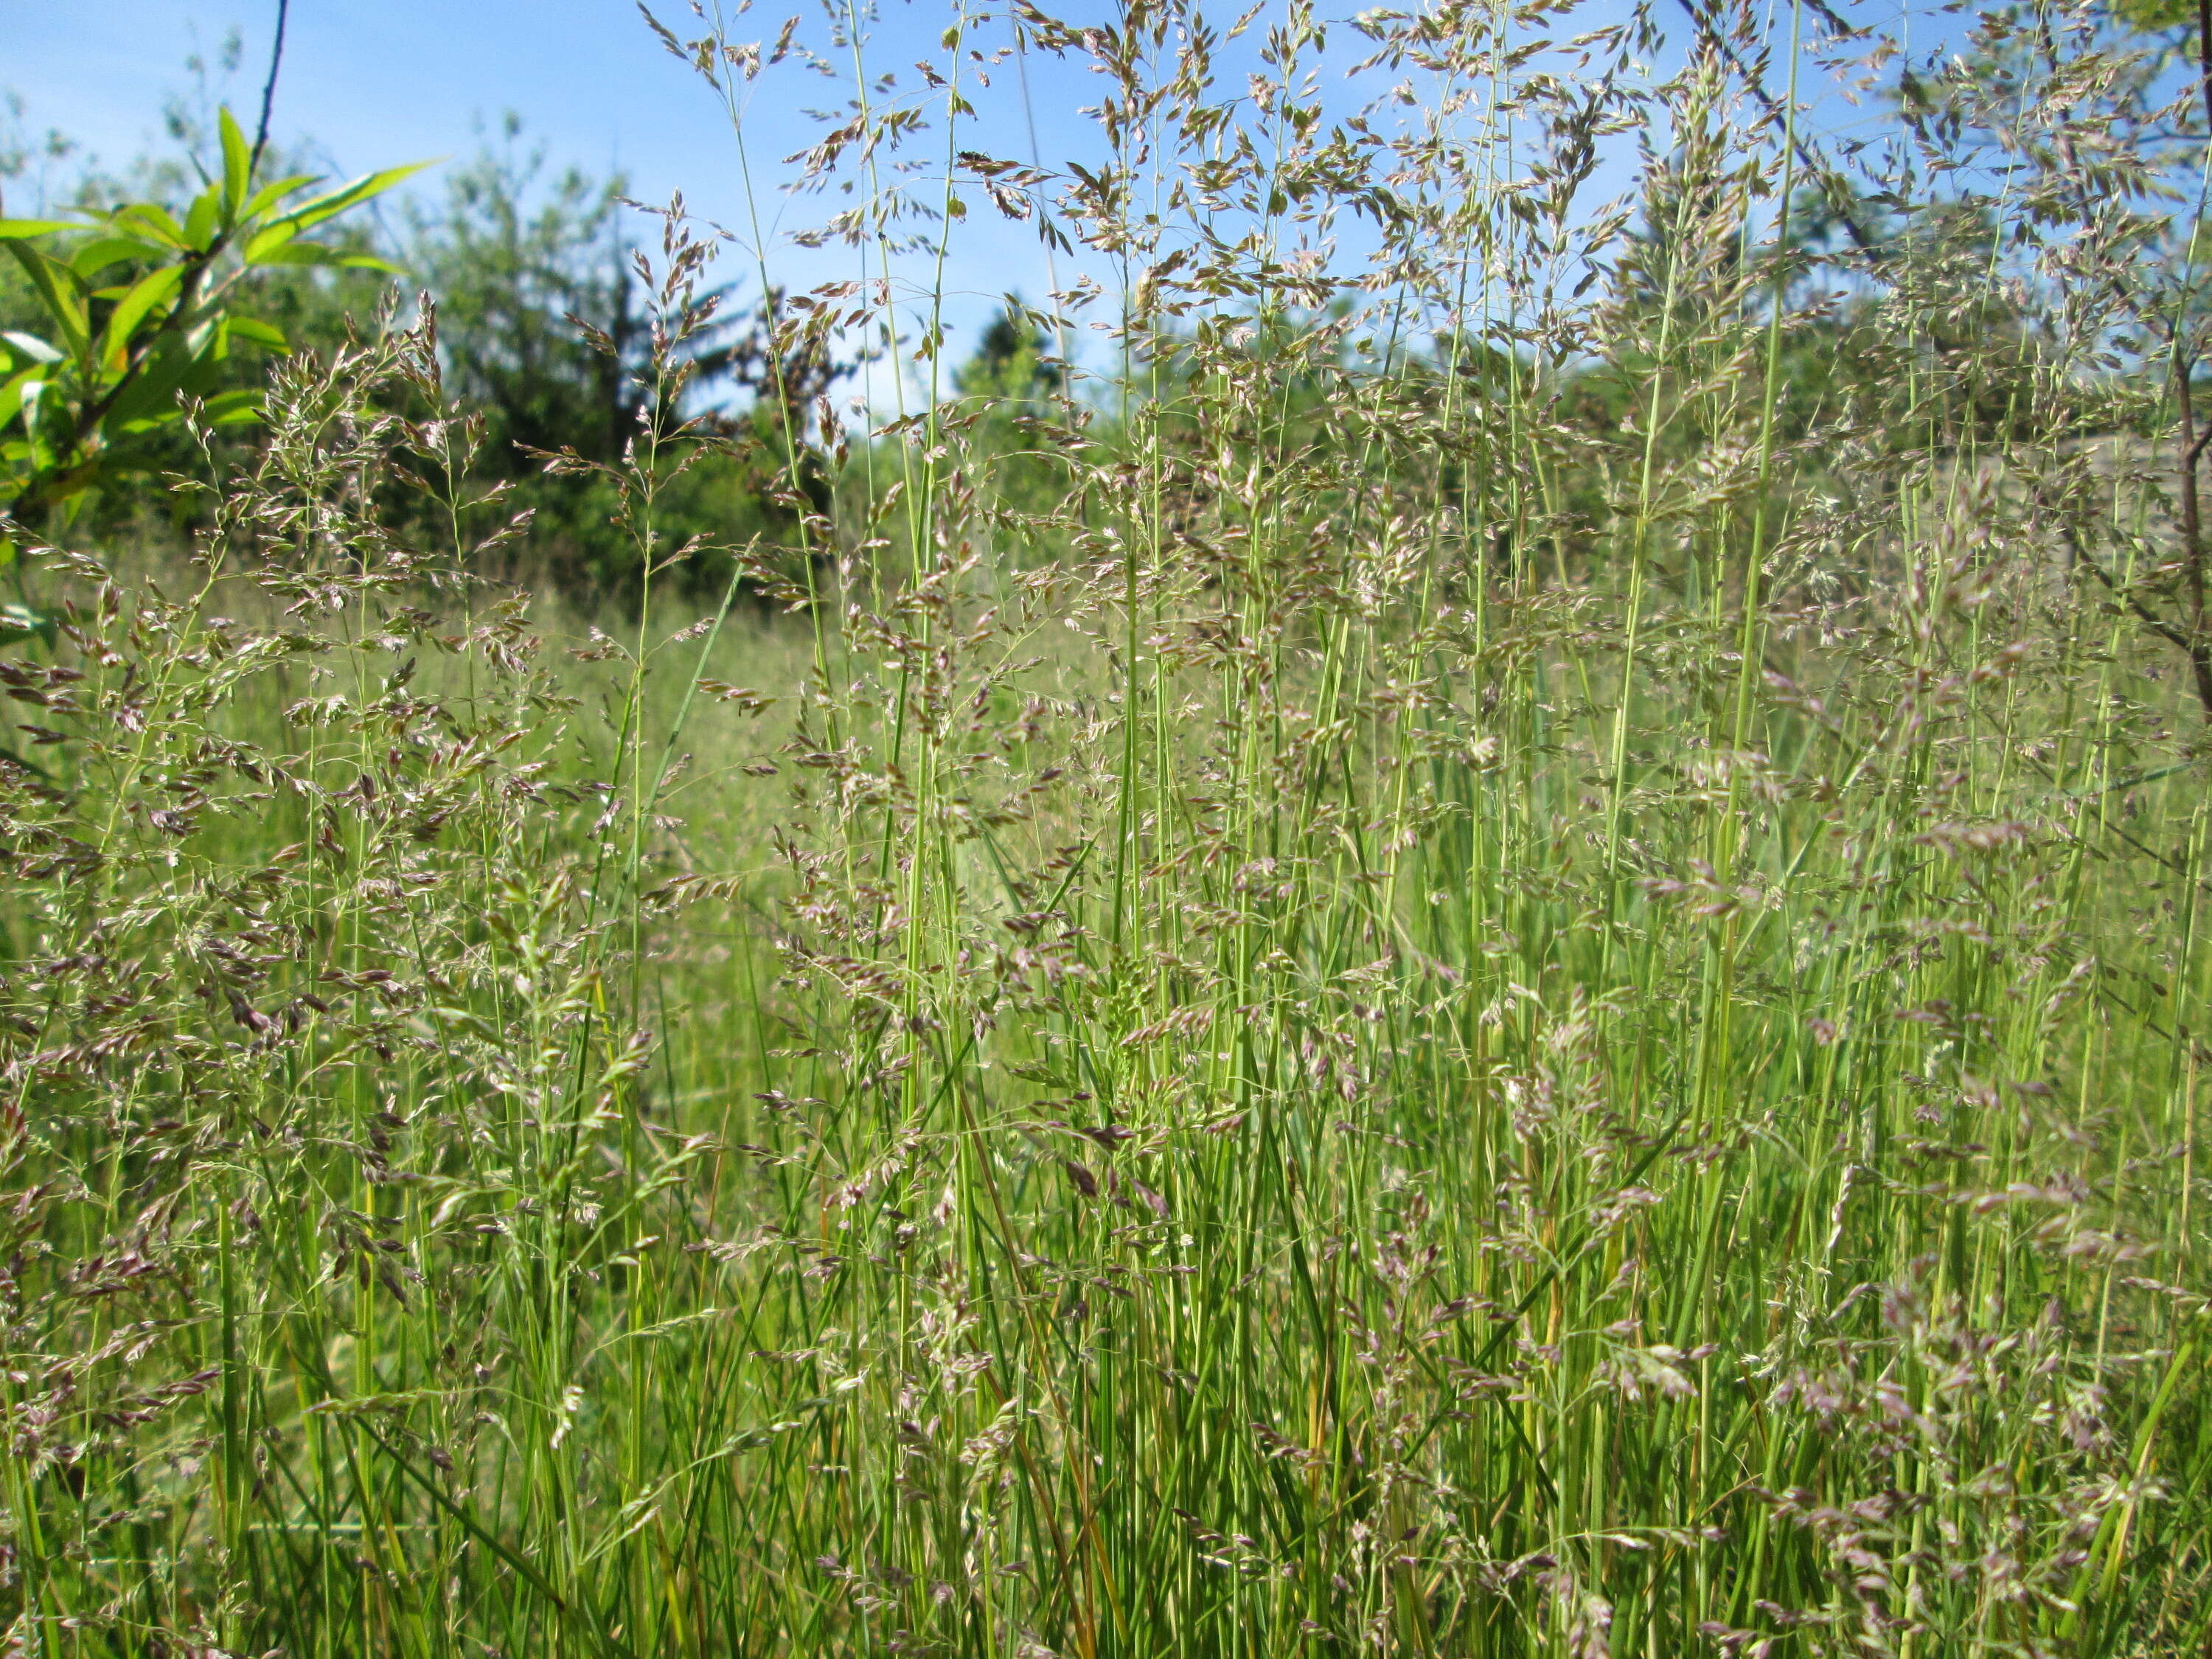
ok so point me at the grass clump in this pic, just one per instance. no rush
(1424, 957)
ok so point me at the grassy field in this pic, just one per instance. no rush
(1315, 1006)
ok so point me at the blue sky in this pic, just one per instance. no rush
(376, 81)
(372, 83)
(371, 80)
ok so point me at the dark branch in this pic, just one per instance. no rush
(269, 87)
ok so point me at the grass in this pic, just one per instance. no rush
(1359, 1013)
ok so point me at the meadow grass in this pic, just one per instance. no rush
(1303, 1005)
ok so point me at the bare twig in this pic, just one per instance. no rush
(269, 87)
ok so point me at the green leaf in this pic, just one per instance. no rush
(152, 421)
(61, 289)
(11, 229)
(153, 221)
(254, 331)
(29, 393)
(149, 398)
(237, 166)
(231, 408)
(269, 194)
(140, 425)
(148, 291)
(102, 252)
(317, 209)
(11, 394)
(263, 243)
(200, 220)
(32, 346)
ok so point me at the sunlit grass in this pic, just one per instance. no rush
(1323, 1013)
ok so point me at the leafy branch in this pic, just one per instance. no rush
(140, 315)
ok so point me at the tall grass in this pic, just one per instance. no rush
(1449, 967)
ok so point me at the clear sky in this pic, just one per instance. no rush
(372, 83)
